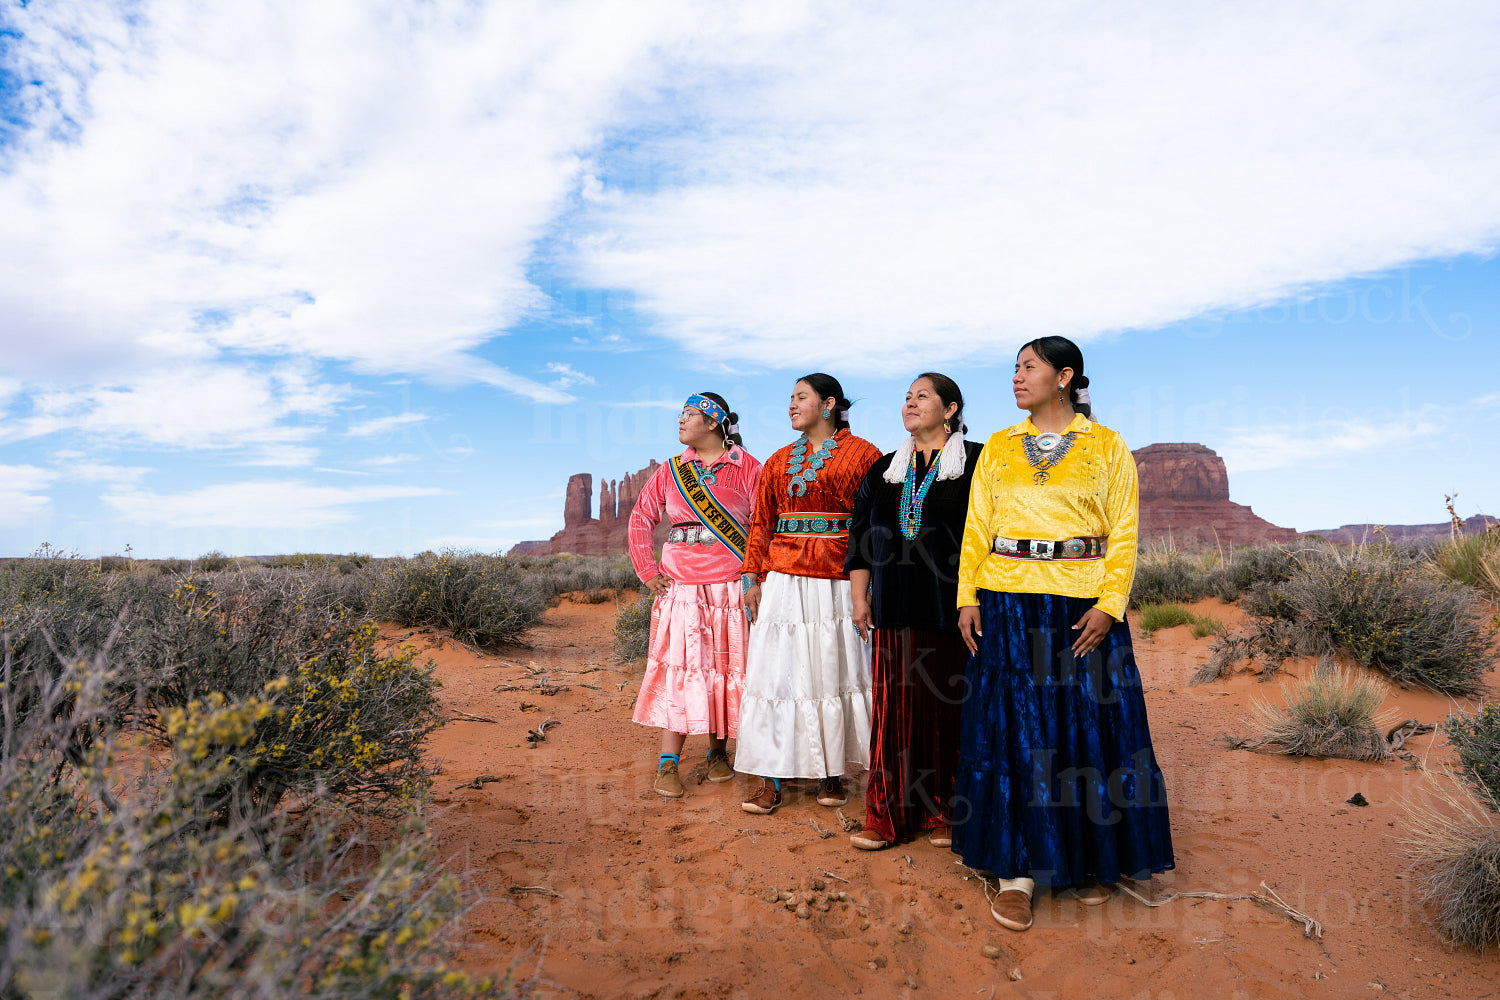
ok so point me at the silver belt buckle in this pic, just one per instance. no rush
(1005, 546)
(1044, 553)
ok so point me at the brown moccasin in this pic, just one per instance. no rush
(668, 782)
(1012, 909)
(941, 836)
(719, 768)
(764, 801)
(868, 840)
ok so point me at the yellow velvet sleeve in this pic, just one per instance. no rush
(1122, 510)
(979, 538)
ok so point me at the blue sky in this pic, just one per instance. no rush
(381, 276)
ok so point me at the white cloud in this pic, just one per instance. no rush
(1277, 447)
(20, 496)
(187, 406)
(1487, 401)
(884, 187)
(381, 461)
(567, 375)
(354, 181)
(256, 504)
(384, 425)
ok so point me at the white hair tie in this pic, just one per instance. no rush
(734, 428)
(844, 416)
(1083, 396)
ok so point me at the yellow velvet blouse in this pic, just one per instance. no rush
(1091, 492)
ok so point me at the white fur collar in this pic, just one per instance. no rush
(951, 460)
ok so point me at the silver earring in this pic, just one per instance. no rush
(1061, 394)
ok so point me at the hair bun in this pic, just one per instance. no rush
(1080, 381)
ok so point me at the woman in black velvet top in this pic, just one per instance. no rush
(903, 570)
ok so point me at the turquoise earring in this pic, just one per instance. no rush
(827, 413)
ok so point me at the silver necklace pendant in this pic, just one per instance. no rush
(1049, 441)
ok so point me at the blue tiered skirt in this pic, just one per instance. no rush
(1057, 780)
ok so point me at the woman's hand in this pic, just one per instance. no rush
(968, 626)
(1091, 629)
(658, 584)
(752, 601)
(862, 616)
(859, 595)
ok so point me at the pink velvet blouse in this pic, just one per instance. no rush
(735, 474)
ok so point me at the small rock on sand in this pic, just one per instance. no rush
(771, 895)
(990, 951)
(803, 912)
(1015, 974)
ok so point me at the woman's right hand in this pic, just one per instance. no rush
(752, 602)
(658, 584)
(968, 627)
(862, 616)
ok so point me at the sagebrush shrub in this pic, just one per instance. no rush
(1476, 738)
(350, 715)
(105, 898)
(483, 600)
(633, 628)
(1372, 605)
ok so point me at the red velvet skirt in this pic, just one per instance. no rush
(918, 688)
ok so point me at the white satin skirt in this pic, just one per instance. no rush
(805, 712)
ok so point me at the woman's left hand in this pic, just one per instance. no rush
(1091, 629)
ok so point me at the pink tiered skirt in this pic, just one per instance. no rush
(695, 667)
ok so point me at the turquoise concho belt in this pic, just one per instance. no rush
(1076, 549)
(817, 525)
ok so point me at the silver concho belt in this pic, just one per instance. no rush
(692, 536)
(1091, 547)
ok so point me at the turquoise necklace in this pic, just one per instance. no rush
(801, 477)
(913, 498)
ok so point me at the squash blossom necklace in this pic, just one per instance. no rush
(912, 498)
(1044, 451)
(801, 477)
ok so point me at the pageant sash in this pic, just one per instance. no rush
(714, 517)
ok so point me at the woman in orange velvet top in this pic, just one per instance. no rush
(805, 711)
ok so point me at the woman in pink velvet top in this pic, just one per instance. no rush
(695, 665)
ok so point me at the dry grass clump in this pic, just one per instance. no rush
(633, 629)
(1454, 847)
(1476, 737)
(1375, 605)
(1334, 713)
(1157, 616)
(1473, 560)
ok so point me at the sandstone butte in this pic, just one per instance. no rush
(1184, 500)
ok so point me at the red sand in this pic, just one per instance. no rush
(659, 898)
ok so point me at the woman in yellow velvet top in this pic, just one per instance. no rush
(1057, 780)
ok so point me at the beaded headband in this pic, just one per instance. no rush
(709, 408)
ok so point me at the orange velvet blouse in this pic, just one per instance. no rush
(831, 493)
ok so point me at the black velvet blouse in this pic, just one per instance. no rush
(913, 584)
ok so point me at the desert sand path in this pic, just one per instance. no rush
(606, 890)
